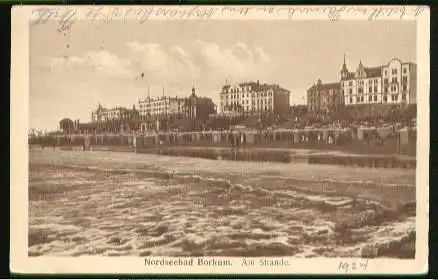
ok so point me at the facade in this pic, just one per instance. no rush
(324, 98)
(253, 98)
(393, 83)
(192, 107)
(161, 107)
(117, 113)
(196, 107)
(130, 114)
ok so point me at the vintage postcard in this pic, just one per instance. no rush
(220, 139)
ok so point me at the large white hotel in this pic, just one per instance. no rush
(393, 83)
(254, 98)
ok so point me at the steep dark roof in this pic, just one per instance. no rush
(372, 72)
(259, 87)
(351, 75)
(325, 86)
(252, 84)
(205, 100)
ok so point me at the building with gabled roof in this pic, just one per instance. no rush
(324, 97)
(254, 98)
(392, 83)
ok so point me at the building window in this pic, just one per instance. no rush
(350, 91)
(405, 80)
(361, 98)
(385, 81)
(404, 70)
(351, 99)
(350, 83)
(360, 90)
(375, 89)
(370, 89)
(370, 98)
(394, 71)
(375, 97)
(386, 73)
(405, 87)
(385, 98)
(404, 97)
(394, 80)
(386, 90)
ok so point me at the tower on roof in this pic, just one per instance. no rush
(344, 70)
(193, 89)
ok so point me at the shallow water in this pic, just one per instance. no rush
(113, 204)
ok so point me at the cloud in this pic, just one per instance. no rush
(163, 66)
(92, 62)
(238, 62)
(77, 83)
(204, 62)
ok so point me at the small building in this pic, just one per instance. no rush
(102, 114)
(324, 98)
(196, 107)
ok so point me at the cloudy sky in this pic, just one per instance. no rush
(70, 73)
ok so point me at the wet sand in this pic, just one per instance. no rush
(114, 204)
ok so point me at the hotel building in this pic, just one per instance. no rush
(192, 107)
(324, 98)
(117, 113)
(253, 98)
(160, 106)
(393, 83)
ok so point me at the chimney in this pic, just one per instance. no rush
(258, 82)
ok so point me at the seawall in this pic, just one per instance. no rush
(363, 147)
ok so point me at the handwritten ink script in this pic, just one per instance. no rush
(66, 17)
(353, 266)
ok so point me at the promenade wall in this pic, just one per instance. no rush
(386, 140)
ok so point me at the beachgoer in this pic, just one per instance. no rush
(330, 140)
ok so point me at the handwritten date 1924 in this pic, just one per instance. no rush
(353, 266)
